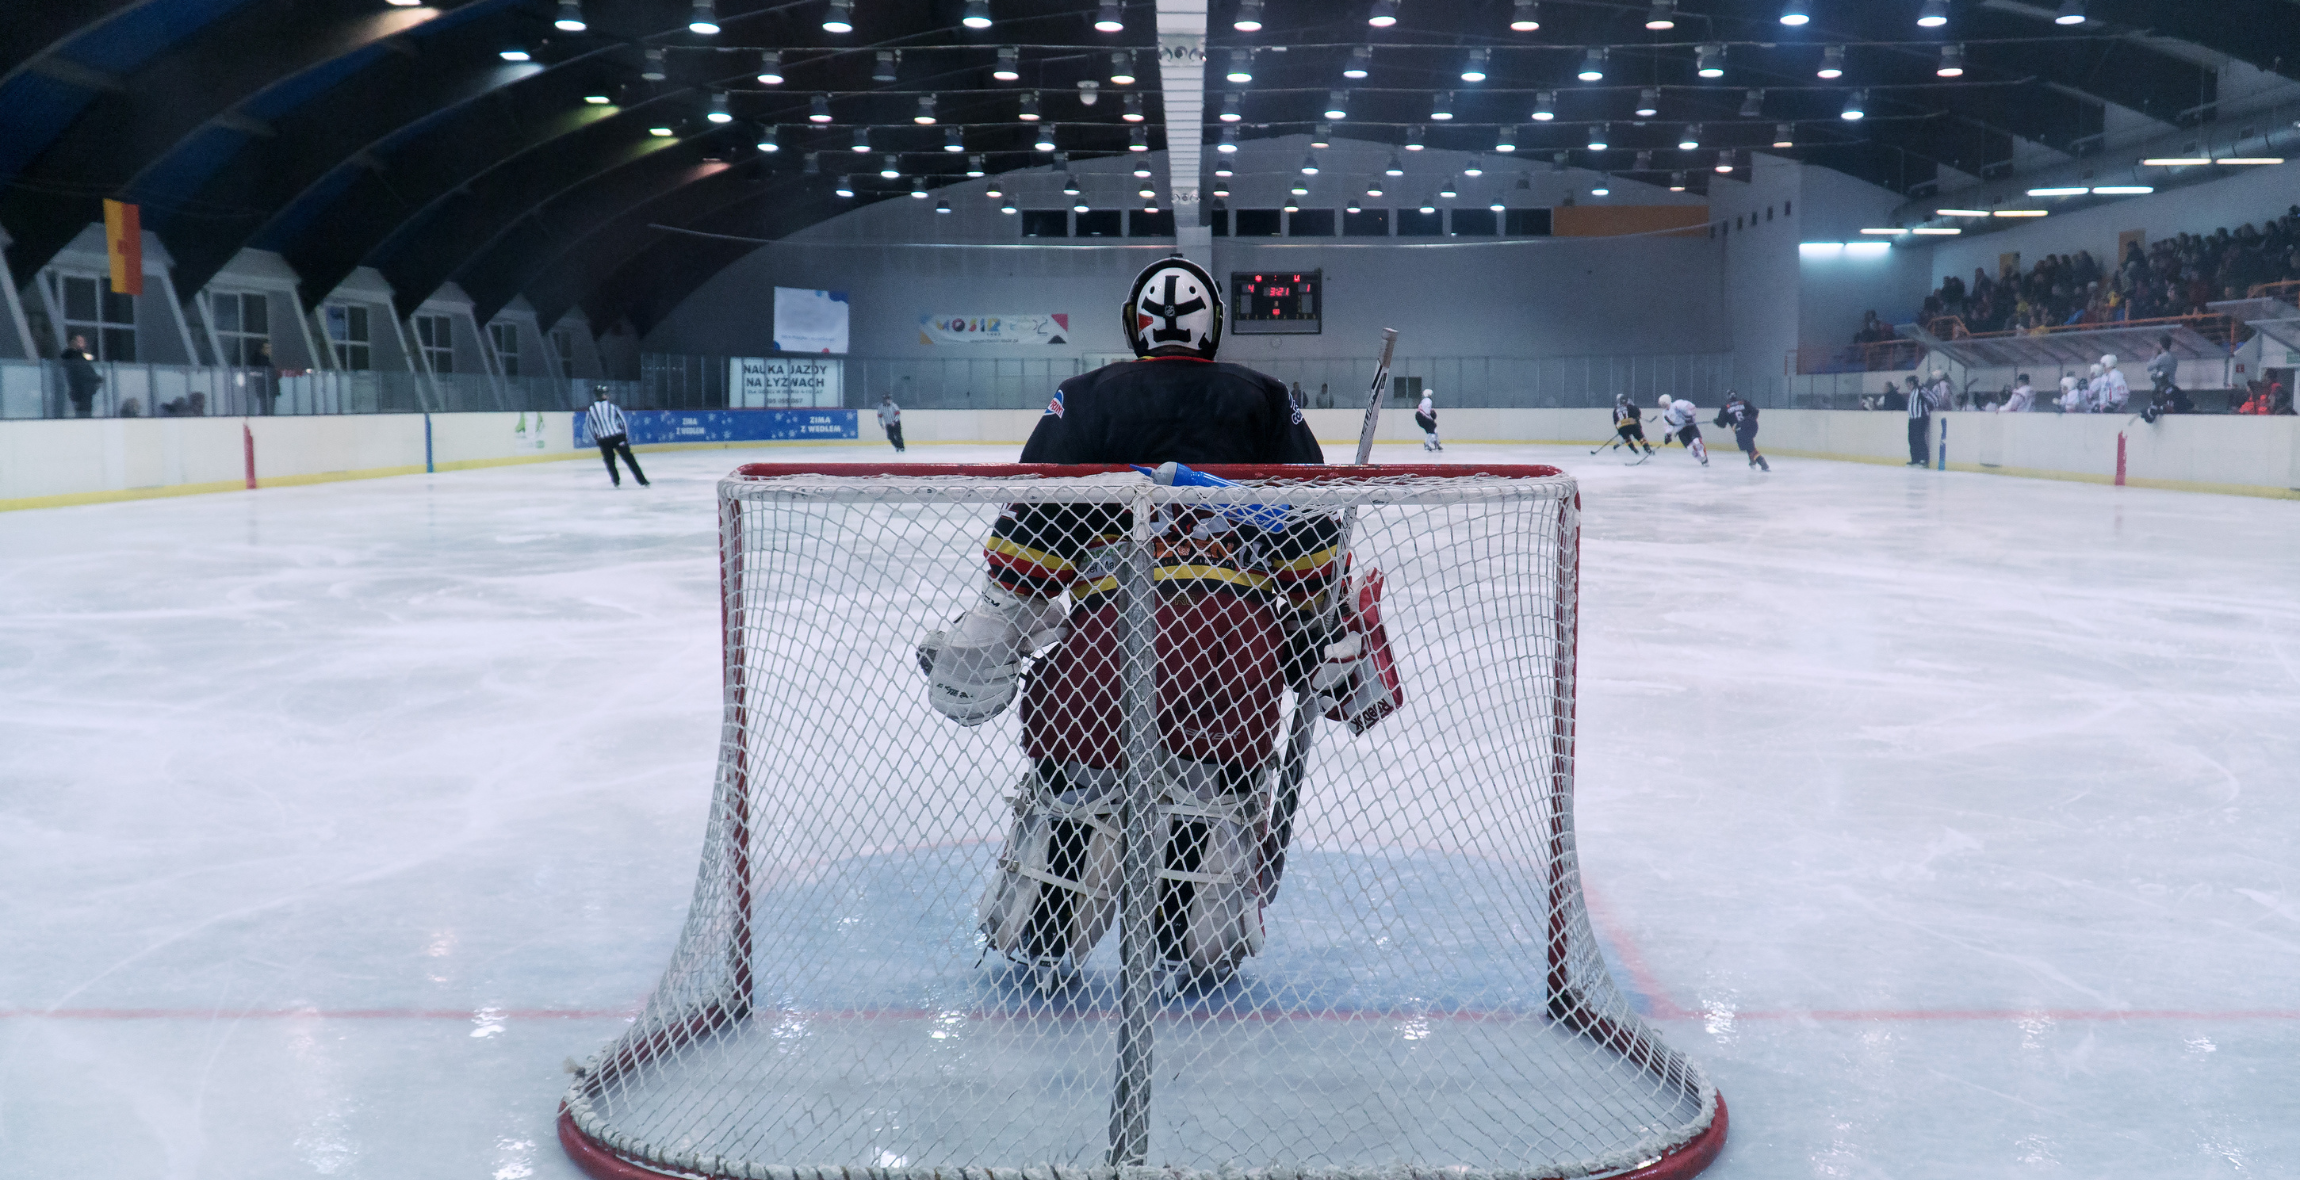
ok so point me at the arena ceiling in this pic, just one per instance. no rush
(342, 133)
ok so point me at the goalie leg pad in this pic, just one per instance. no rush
(1056, 890)
(1209, 902)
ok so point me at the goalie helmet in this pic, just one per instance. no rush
(1174, 309)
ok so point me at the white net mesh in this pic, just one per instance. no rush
(1156, 913)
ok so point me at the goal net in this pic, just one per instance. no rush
(1267, 870)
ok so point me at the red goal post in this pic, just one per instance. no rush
(1425, 993)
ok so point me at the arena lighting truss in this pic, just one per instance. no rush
(1355, 948)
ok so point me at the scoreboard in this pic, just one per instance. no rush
(1265, 302)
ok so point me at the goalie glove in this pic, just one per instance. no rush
(971, 669)
(1356, 678)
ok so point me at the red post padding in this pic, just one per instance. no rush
(1306, 472)
(248, 441)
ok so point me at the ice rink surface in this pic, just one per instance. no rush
(1948, 820)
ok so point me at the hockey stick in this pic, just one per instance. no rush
(1301, 731)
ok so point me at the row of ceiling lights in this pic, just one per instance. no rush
(1709, 62)
(1525, 15)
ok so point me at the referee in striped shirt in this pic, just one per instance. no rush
(613, 434)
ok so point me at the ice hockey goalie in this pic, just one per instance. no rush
(1245, 610)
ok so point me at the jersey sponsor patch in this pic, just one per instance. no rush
(1297, 415)
(1055, 407)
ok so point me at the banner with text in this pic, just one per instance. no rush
(810, 321)
(1028, 328)
(729, 426)
(784, 382)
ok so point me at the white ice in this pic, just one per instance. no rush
(1948, 820)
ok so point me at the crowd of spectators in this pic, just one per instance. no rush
(2174, 276)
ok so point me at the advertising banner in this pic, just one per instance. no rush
(729, 426)
(784, 382)
(1026, 328)
(810, 321)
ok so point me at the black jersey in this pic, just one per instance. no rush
(1177, 408)
(1739, 415)
(1149, 412)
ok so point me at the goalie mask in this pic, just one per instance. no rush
(1174, 309)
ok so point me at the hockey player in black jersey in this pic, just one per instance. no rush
(1629, 424)
(1242, 613)
(1742, 417)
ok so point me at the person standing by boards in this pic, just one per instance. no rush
(890, 420)
(605, 421)
(1425, 416)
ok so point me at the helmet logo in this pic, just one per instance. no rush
(1170, 311)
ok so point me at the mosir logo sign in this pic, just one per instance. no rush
(1027, 328)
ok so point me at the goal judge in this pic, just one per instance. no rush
(1244, 608)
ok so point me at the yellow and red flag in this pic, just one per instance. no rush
(124, 241)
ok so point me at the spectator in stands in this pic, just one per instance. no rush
(2259, 402)
(80, 377)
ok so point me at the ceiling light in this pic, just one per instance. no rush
(1384, 15)
(1725, 160)
(1441, 106)
(1396, 168)
(1361, 59)
(718, 112)
(1373, 188)
(861, 141)
(1890, 232)
(1029, 112)
(891, 167)
(1249, 17)
(704, 19)
(1448, 192)
(1832, 62)
(1414, 137)
(1648, 102)
(819, 111)
(570, 17)
(2059, 192)
(1139, 141)
(1337, 105)
(2071, 13)
(1310, 164)
(2175, 161)
(1600, 189)
(1856, 107)
(1146, 192)
(597, 100)
(515, 53)
(993, 191)
(846, 186)
(1709, 61)
(924, 116)
(1080, 206)
(1960, 212)
(1592, 65)
(659, 132)
(1691, 138)
(1645, 161)
(2021, 213)
(1597, 138)
(1676, 182)
(1221, 190)
(1301, 188)
(1933, 15)
(977, 17)
(1475, 69)
(2249, 160)
(1293, 206)
(1353, 206)
(918, 189)
(1141, 169)
(1107, 18)
(1783, 136)
(1796, 12)
(1428, 208)
(1753, 104)
(1045, 138)
(1241, 66)
(1133, 109)
(1122, 68)
(942, 206)
(1322, 136)
(883, 68)
(653, 69)
(1505, 140)
(840, 19)
(1069, 185)
(2123, 190)
(1937, 231)
(1230, 108)
(1008, 67)
(1662, 16)
(1474, 168)
(771, 68)
(1525, 18)
(951, 140)
(1006, 206)
(1952, 62)
(974, 165)
(1229, 141)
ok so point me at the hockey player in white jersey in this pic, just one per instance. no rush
(2071, 395)
(1425, 416)
(2110, 391)
(1680, 420)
